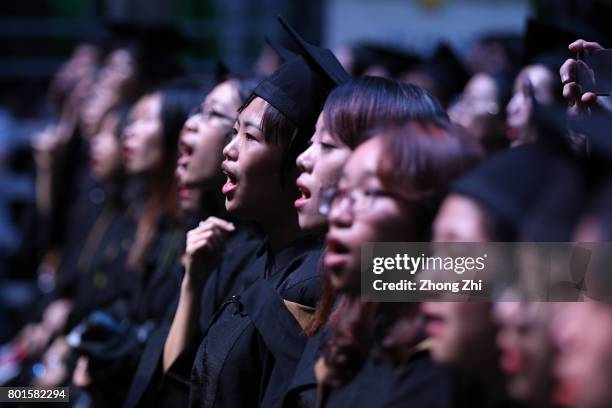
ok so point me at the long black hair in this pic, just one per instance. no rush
(177, 101)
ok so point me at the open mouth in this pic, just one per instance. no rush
(512, 361)
(304, 195)
(564, 394)
(184, 192)
(434, 323)
(512, 133)
(336, 254)
(231, 182)
(336, 246)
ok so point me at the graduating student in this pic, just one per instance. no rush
(524, 337)
(199, 176)
(481, 109)
(490, 203)
(254, 339)
(350, 114)
(199, 173)
(91, 271)
(582, 330)
(377, 354)
(109, 349)
(545, 49)
(100, 264)
(63, 183)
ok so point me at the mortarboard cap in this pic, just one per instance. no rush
(508, 184)
(320, 58)
(299, 87)
(283, 53)
(222, 71)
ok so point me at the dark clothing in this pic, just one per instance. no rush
(161, 279)
(419, 384)
(71, 180)
(115, 338)
(150, 387)
(100, 269)
(469, 391)
(254, 343)
(230, 278)
(302, 390)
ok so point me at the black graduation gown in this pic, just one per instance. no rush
(160, 283)
(471, 391)
(254, 343)
(420, 383)
(88, 209)
(150, 387)
(113, 358)
(302, 391)
(100, 270)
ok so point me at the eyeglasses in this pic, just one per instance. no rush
(208, 114)
(361, 199)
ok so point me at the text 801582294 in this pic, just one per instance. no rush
(34, 394)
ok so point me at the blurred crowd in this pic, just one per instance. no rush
(197, 241)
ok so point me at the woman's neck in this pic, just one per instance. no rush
(282, 227)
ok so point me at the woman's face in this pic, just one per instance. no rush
(105, 149)
(583, 334)
(363, 211)
(253, 188)
(462, 333)
(526, 349)
(477, 109)
(542, 82)
(98, 102)
(460, 219)
(320, 167)
(201, 143)
(142, 139)
(120, 69)
(459, 330)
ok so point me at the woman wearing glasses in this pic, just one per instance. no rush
(376, 353)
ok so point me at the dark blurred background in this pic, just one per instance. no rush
(383, 37)
(37, 35)
(437, 44)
